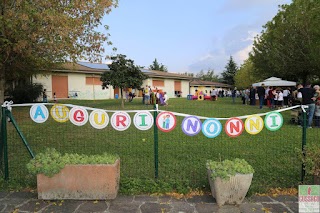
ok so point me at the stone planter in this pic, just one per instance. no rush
(231, 191)
(81, 182)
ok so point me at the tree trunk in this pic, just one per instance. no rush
(2, 87)
(122, 101)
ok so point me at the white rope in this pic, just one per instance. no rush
(10, 104)
(87, 108)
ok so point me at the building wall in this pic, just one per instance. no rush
(46, 81)
(168, 86)
(77, 85)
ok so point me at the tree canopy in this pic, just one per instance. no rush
(289, 44)
(230, 71)
(35, 35)
(156, 66)
(123, 74)
(209, 76)
(245, 75)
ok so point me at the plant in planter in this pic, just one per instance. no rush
(310, 157)
(229, 180)
(75, 176)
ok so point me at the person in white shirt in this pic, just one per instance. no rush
(286, 93)
(165, 98)
(280, 99)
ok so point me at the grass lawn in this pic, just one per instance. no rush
(181, 158)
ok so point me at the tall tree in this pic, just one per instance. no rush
(230, 71)
(289, 45)
(245, 75)
(156, 66)
(35, 35)
(123, 74)
(209, 76)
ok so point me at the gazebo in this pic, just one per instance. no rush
(273, 81)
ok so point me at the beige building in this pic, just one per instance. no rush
(82, 81)
(206, 86)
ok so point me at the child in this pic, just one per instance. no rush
(44, 96)
(280, 99)
(54, 97)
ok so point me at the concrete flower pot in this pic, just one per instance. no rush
(81, 182)
(230, 191)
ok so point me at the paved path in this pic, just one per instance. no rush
(28, 202)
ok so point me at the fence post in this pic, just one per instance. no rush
(304, 140)
(4, 147)
(20, 134)
(155, 139)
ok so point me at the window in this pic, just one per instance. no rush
(93, 81)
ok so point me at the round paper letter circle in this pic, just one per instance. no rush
(234, 127)
(78, 116)
(254, 124)
(39, 113)
(120, 121)
(99, 119)
(60, 113)
(211, 128)
(166, 121)
(143, 120)
(273, 121)
(191, 125)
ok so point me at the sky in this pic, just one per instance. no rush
(188, 36)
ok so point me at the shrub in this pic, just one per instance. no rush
(51, 161)
(311, 159)
(25, 93)
(225, 169)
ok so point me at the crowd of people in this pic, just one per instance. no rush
(278, 97)
(149, 96)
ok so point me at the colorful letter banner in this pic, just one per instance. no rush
(191, 125)
(165, 121)
(78, 116)
(143, 120)
(60, 113)
(99, 119)
(234, 127)
(211, 128)
(254, 124)
(273, 121)
(120, 121)
(39, 113)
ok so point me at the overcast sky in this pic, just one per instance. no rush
(185, 35)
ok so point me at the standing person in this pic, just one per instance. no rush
(44, 96)
(286, 93)
(280, 99)
(317, 109)
(261, 94)
(252, 96)
(233, 95)
(54, 97)
(165, 99)
(308, 98)
(243, 96)
(317, 114)
(271, 97)
(146, 95)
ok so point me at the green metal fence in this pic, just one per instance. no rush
(172, 159)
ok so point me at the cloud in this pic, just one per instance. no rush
(237, 42)
(242, 55)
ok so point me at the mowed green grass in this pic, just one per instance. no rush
(181, 158)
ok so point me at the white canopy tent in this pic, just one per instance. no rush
(273, 81)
